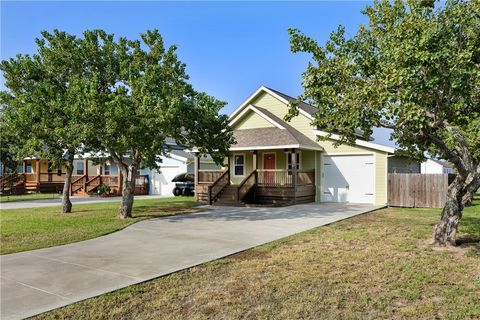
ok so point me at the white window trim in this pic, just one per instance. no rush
(244, 164)
(299, 159)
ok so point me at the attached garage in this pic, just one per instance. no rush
(348, 178)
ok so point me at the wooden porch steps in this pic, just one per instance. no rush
(228, 197)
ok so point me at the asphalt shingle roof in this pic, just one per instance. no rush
(308, 108)
(272, 136)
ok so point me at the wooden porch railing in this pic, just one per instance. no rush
(207, 176)
(93, 183)
(52, 177)
(306, 177)
(78, 182)
(90, 183)
(216, 187)
(284, 178)
(275, 178)
(248, 183)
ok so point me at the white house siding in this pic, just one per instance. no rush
(431, 166)
(160, 181)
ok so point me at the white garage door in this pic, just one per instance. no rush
(348, 179)
(162, 181)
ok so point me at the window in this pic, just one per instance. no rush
(28, 167)
(106, 169)
(20, 168)
(113, 169)
(289, 161)
(80, 168)
(239, 165)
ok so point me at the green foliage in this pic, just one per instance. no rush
(415, 69)
(103, 189)
(40, 112)
(137, 94)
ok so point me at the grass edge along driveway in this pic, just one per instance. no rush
(28, 229)
(28, 197)
(377, 265)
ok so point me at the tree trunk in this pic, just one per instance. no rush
(446, 229)
(128, 186)
(471, 189)
(66, 203)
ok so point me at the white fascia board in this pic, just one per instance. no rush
(249, 99)
(287, 146)
(176, 157)
(358, 142)
(276, 95)
(260, 113)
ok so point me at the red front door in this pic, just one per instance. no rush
(269, 164)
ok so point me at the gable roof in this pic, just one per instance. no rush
(308, 108)
(442, 163)
(268, 138)
(280, 136)
(259, 91)
(304, 108)
(358, 142)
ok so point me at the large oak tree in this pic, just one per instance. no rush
(137, 94)
(117, 97)
(415, 68)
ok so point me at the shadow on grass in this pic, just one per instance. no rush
(470, 224)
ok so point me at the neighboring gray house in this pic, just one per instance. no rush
(399, 164)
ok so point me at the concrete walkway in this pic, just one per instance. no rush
(58, 202)
(40, 280)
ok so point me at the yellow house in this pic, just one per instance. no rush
(279, 162)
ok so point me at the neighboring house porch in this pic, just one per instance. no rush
(39, 175)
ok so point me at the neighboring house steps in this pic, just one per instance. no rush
(14, 183)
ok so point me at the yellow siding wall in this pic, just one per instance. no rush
(279, 109)
(381, 165)
(252, 121)
(343, 148)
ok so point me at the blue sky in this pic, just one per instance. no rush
(230, 48)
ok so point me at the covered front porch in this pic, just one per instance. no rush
(274, 176)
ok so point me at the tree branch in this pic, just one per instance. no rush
(449, 154)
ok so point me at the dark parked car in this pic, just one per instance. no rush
(184, 185)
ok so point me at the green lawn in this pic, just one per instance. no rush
(375, 266)
(28, 196)
(27, 229)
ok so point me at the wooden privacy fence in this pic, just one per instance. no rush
(414, 190)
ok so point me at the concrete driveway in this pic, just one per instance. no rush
(36, 281)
